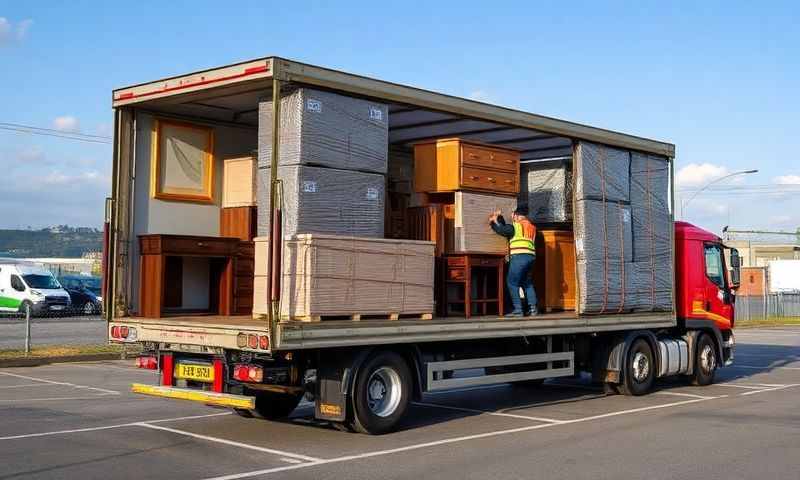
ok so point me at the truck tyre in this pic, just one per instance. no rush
(273, 405)
(640, 369)
(381, 393)
(705, 361)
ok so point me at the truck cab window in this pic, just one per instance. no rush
(16, 283)
(714, 270)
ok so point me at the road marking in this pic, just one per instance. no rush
(753, 392)
(108, 427)
(230, 442)
(488, 412)
(66, 384)
(50, 399)
(447, 441)
(25, 385)
(289, 460)
(755, 367)
(755, 386)
(690, 395)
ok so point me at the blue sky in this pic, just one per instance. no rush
(718, 79)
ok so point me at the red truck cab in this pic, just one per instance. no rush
(705, 287)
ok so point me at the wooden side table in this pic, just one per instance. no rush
(478, 272)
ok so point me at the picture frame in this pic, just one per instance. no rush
(182, 161)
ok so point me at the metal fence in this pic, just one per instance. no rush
(73, 326)
(763, 307)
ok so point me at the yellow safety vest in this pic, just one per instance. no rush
(522, 241)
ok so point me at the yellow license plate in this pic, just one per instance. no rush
(191, 371)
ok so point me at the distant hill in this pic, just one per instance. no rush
(60, 241)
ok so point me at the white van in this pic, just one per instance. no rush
(27, 286)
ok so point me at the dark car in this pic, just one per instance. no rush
(81, 291)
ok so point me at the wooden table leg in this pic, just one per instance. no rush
(467, 287)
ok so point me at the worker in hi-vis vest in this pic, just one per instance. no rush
(520, 234)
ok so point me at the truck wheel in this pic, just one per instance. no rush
(272, 405)
(640, 369)
(381, 393)
(705, 361)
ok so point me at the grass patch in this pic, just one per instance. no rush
(768, 322)
(61, 351)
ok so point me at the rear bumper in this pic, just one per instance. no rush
(201, 396)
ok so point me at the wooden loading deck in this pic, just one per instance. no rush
(204, 329)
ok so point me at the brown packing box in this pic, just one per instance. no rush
(472, 233)
(336, 275)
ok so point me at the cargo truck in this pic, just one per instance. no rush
(362, 374)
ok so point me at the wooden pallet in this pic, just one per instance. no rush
(360, 316)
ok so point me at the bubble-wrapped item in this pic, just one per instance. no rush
(603, 249)
(326, 129)
(601, 173)
(546, 187)
(325, 200)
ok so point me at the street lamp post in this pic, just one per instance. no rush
(712, 182)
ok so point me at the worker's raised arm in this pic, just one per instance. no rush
(500, 227)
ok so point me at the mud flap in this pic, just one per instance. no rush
(335, 375)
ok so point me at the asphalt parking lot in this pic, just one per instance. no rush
(80, 421)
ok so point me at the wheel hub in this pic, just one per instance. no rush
(383, 392)
(641, 367)
(708, 361)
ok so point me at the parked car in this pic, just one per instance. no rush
(84, 292)
(27, 287)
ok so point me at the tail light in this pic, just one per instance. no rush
(251, 341)
(149, 362)
(248, 373)
(125, 333)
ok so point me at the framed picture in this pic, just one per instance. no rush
(183, 162)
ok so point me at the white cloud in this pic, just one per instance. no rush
(10, 33)
(480, 96)
(66, 123)
(31, 155)
(699, 174)
(787, 180)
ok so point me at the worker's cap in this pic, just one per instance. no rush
(521, 210)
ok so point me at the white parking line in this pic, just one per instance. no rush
(755, 386)
(66, 384)
(230, 442)
(753, 392)
(689, 395)
(447, 441)
(25, 385)
(766, 367)
(109, 427)
(488, 412)
(51, 399)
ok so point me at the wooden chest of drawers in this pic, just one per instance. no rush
(453, 164)
(554, 270)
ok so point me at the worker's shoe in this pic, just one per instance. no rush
(515, 314)
(532, 313)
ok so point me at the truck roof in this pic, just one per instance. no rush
(231, 93)
(687, 231)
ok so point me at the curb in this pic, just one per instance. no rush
(38, 361)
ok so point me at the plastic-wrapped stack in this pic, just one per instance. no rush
(332, 161)
(622, 230)
(546, 187)
(650, 285)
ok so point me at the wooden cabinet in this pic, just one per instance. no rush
(162, 262)
(238, 222)
(473, 285)
(453, 164)
(554, 270)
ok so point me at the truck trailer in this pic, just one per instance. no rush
(363, 372)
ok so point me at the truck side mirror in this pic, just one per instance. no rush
(735, 268)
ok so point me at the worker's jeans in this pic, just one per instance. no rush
(520, 268)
